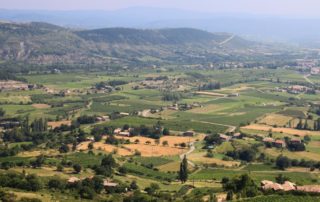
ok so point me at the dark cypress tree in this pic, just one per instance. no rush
(306, 125)
(229, 196)
(183, 173)
(300, 125)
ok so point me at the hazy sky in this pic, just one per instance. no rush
(298, 8)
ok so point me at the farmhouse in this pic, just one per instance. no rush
(73, 180)
(124, 134)
(224, 137)
(102, 118)
(279, 143)
(315, 70)
(268, 140)
(237, 136)
(234, 95)
(107, 184)
(117, 131)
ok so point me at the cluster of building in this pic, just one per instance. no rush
(295, 89)
(274, 143)
(102, 118)
(280, 143)
(309, 65)
(226, 138)
(123, 133)
(288, 186)
(15, 85)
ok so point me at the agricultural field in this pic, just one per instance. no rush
(145, 132)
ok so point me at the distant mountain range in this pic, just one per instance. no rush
(43, 43)
(293, 30)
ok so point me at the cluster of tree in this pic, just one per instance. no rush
(106, 166)
(212, 139)
(243, 186)
(111, 139)
(210, 86)
(6, 75)
(39, 125)
(2, 112)
(20, 181)
(98, 131)
(283, 162)
(154, 132)
(5, 150)
(159, 78)
(245, 154)
(116, 82)
(302, 125)
(316, 125)
(86, 188)
(85, 119)
(172, 96)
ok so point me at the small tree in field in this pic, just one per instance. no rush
(77, 168)
(165, 143)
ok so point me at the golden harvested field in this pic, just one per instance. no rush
(289, 131)
(200, 158)
(275, 119)
(41, 106)
(152, 150)
(105, 147)
(55, 124)
(172, 140)
(146, 150)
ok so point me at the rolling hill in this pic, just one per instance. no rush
(43, 43)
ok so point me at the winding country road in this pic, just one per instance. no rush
(307, 79)
(192, 148)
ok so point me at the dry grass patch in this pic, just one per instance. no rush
(152, 150)
(48, 152)
(275, 119)
(41, 106)
(55, 124)
(172, 140)
(200, 158)
(290, 131)
(210, 93)
(105, 147)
